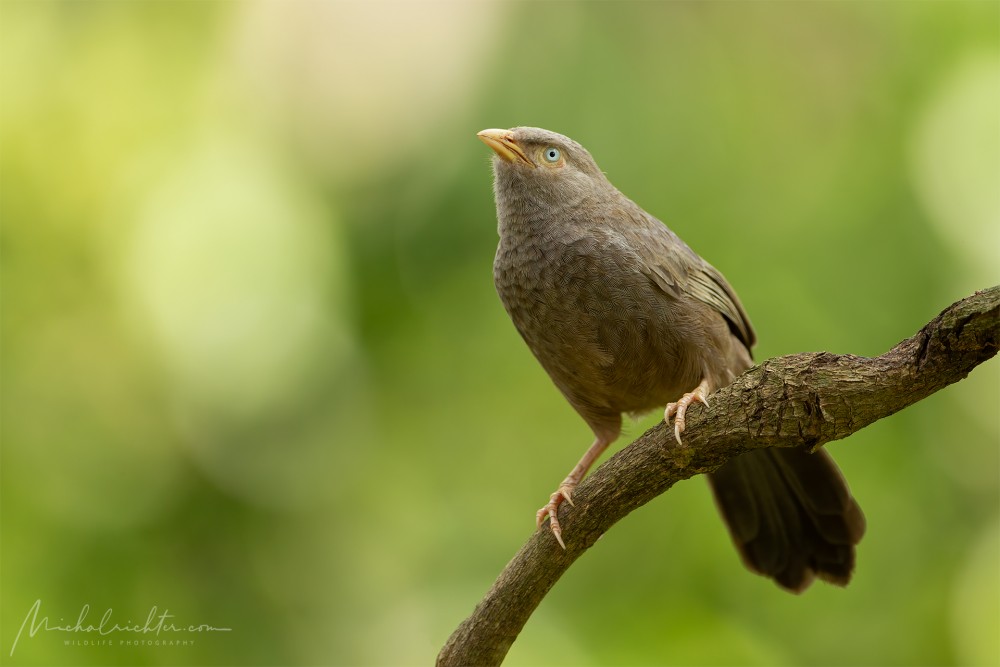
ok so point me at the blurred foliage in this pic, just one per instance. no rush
(255, 373)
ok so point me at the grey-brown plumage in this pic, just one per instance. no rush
(626, 318)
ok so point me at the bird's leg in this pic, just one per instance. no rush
(677, 410)
(565, 490)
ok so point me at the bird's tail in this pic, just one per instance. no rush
(790, 515)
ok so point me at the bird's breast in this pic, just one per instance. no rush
(592, 318)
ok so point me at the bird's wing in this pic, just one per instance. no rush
(663, 257)
(708, 285)
(673, 267)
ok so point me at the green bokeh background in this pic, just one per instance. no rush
(254, 371)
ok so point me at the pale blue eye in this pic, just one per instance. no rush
(551, 154)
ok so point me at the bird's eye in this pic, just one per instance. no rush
(551, 154)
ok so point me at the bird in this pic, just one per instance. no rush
(625, 318)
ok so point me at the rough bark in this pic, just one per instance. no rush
(802, 399)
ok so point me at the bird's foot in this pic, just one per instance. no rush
(551, 511)
(677, 410)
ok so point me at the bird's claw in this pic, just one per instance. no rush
(551, 512)
(679, 408)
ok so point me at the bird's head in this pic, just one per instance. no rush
(541, 167)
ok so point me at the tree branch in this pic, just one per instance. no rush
(810, 399)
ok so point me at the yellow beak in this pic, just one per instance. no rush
(503, 144)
